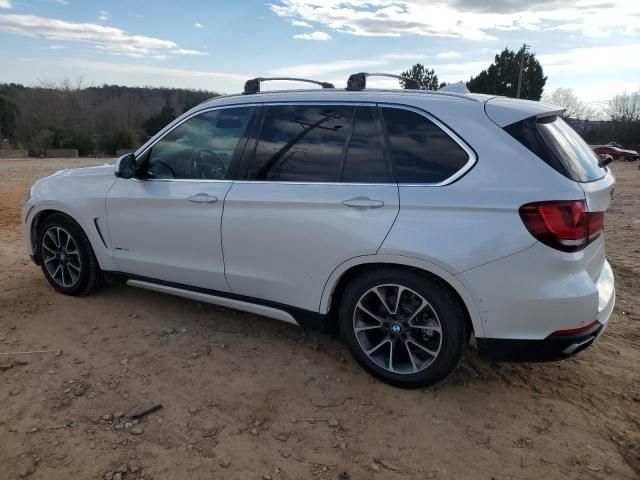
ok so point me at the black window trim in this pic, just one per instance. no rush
(142, 154)
(243, 170)
(240, 166)
(473, 157)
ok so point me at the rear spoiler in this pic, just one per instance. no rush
(505, 111)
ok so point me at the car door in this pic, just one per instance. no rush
(165, 223)
(318, 191)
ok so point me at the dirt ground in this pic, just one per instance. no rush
(245, 397)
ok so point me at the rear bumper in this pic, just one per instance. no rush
(552, 348)
(539, 291)
(556, 346)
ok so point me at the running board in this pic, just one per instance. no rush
(216, 300)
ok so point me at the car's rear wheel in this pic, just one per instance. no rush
(66, 257)
(405, 328)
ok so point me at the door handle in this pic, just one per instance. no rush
(362, 202)
(203, 198)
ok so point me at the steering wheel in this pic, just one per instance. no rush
(165, 165)
(207, 165)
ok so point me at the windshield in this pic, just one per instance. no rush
(580, 162)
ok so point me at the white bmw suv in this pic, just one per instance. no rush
(402, 220)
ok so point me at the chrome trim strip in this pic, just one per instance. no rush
(344, 184)
(181, 180)
(215, 300)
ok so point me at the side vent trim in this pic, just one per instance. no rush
(95, 222)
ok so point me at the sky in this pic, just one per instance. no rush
(591, 46)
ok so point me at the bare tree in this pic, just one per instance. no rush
(624, 110)
(568, 100)
(625, 107)
(94, 120)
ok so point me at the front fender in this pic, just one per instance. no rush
(32, 211)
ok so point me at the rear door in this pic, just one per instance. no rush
(318, 191)
(165, 224)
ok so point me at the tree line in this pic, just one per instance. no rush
(95, 120)
(502, 77)
(103, 119)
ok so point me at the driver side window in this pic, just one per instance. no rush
(200, 148)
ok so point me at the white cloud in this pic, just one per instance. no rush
(129, 68)
(449, 54)
(388, 62)
(104, 16)
(61, 2)
(298, 23)
(413, 56)
(184, 51)
(5, 4)
(135, 74)
(313, 36)
(591, 59)
(468, 19)
(106, 39)
(55, 47)
(198, 25)
(321, 69)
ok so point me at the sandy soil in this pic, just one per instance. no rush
(246, 397)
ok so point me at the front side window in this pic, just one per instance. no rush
(303, 143)
(200, 148)
(421, 150)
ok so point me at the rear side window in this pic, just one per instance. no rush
(302, 143)
(558, 145)
(422, 152)
(365, 161)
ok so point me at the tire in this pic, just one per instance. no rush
(66, 256)
(406, 332)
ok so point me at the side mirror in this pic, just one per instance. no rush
(126, 166)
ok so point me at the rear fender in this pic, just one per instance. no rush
(402, 260)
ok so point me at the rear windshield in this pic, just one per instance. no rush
(556, 143)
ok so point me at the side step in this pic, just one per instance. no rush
(217, 300)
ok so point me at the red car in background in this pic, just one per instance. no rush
(616, 152)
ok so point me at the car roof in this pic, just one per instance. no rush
(332, 94)
(501, 110)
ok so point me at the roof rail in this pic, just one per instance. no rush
(253, 85)
(358, 81)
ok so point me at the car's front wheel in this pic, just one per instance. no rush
(404, 328)
(66, 256)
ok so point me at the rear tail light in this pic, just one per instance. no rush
(563, 225)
